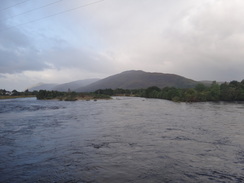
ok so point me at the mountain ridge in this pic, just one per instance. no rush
(131, 79)
(42, 86)
(137, 79)
(64, 87)
(72, 86)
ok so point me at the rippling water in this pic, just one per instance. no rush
(121, 140)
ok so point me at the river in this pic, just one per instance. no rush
(122, 140)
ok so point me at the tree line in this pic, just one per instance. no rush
(69, 96)
(4, 92)
(232, 91)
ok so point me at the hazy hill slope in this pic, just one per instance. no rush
(139, 79)
(42, 86)
(74, 85)
(63, 87)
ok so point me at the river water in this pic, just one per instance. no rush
(122, 140)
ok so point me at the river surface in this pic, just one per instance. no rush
(132, 140)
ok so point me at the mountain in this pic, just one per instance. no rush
(63, 87)
(74, 85)
(139, 79)
(42, 86)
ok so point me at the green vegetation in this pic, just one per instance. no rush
(4, 94)
(233, 91)
(116, 92)
(69, 96)
(52, 95)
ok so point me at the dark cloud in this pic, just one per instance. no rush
(22, 50)
(18, 52)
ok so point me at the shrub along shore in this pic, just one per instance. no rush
(13, 97)
(233, 91)
(69, 96)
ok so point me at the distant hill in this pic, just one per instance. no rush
(42, 86)
(74, 85)
(139, 79)
(63, 87)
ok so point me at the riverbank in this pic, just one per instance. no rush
(85, 98)
(69, 96)
(13, 97)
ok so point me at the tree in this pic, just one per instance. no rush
(149, 91)
(200, 87)
(214, 94)
(190, 95)
(234, 84)
(172, 93)
(3, 92)
(15, 93)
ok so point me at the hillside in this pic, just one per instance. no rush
(42, 86)
(63, 87)
(74, 85)
(139, 79)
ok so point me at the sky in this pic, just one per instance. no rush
(59, 41)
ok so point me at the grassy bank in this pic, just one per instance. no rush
(13, 97)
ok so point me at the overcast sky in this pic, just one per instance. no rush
(198, 39)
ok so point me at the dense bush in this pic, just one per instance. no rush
(233, 91)
(69, 96)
